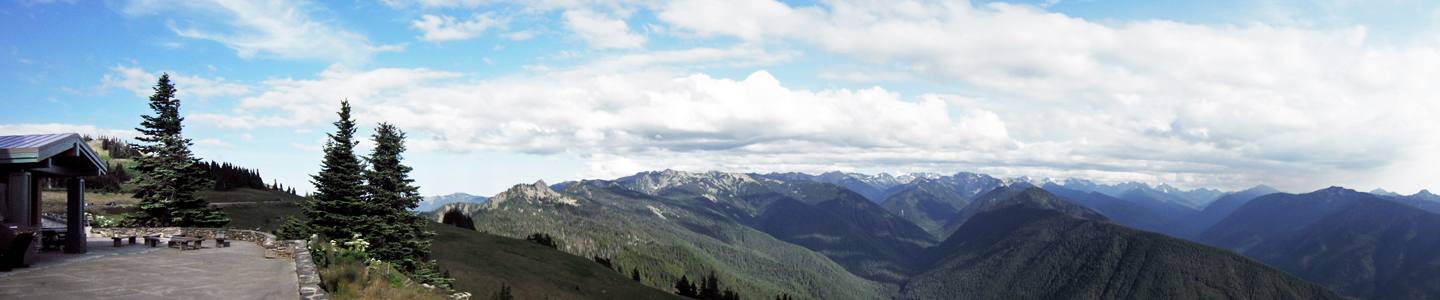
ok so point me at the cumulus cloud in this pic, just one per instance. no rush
(445, 28)
(213, 143)
(283, 29)
(601, 31)
(1167, 97)
(624, 119)
(292, 102)
(92, 130)
(142, 83)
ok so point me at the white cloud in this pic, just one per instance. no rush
(601, 31)
(92, 130)
(290, 102)
(1276, 103)
(519, 35)
(213, 143)
(866, 76)
(283, 29)
(753, 123)
(142, 83)
(445, 28)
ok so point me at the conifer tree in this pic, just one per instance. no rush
(167, 173)
(338, 209)
(399, 235)
(684, 288)
(709, 287)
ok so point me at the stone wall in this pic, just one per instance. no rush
(308, 274)
(260, 238)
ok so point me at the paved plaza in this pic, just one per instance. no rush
(142, 272)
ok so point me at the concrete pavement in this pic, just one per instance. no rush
(140, 272)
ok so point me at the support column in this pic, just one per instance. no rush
(75, 217)
(35, 205)
(17, 204)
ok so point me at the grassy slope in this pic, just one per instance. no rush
(255, 212)
(480, 262)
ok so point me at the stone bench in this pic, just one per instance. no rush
(121, 237)
(184, 242)
(152, 239)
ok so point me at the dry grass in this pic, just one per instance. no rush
(53, 201)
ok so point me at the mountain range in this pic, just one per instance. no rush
(974, 235)
(435, 202)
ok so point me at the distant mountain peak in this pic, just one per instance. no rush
(1383, 192)
(530, 193)
(1336, 190)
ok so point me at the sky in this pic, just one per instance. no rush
(1298, 95)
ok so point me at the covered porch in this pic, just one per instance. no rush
(24, 160)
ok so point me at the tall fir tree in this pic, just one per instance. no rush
(338, 209)
(167, 173)
(399, 236)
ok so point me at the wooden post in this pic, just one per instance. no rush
(17, 210)
(75, 217)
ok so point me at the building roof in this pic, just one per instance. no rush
(50, 155)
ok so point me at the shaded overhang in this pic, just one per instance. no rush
(50, 155)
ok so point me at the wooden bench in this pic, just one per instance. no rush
(51, 239)
(121, 237)
(220, 240)
(152, 239)
(184, 242)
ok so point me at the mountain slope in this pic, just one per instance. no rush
(1376, 249)
(870, 186)
(1121, 211)
(1158, 201)
(1017, 193)
(1027, 252)
(969, 185)
(1372, 248)
(924, 202)
(1423, 200)
(481, 262)
(825, 218)
(1269, 215)
(1227, 204)
(689, 234)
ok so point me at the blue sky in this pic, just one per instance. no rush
(1299, 95)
